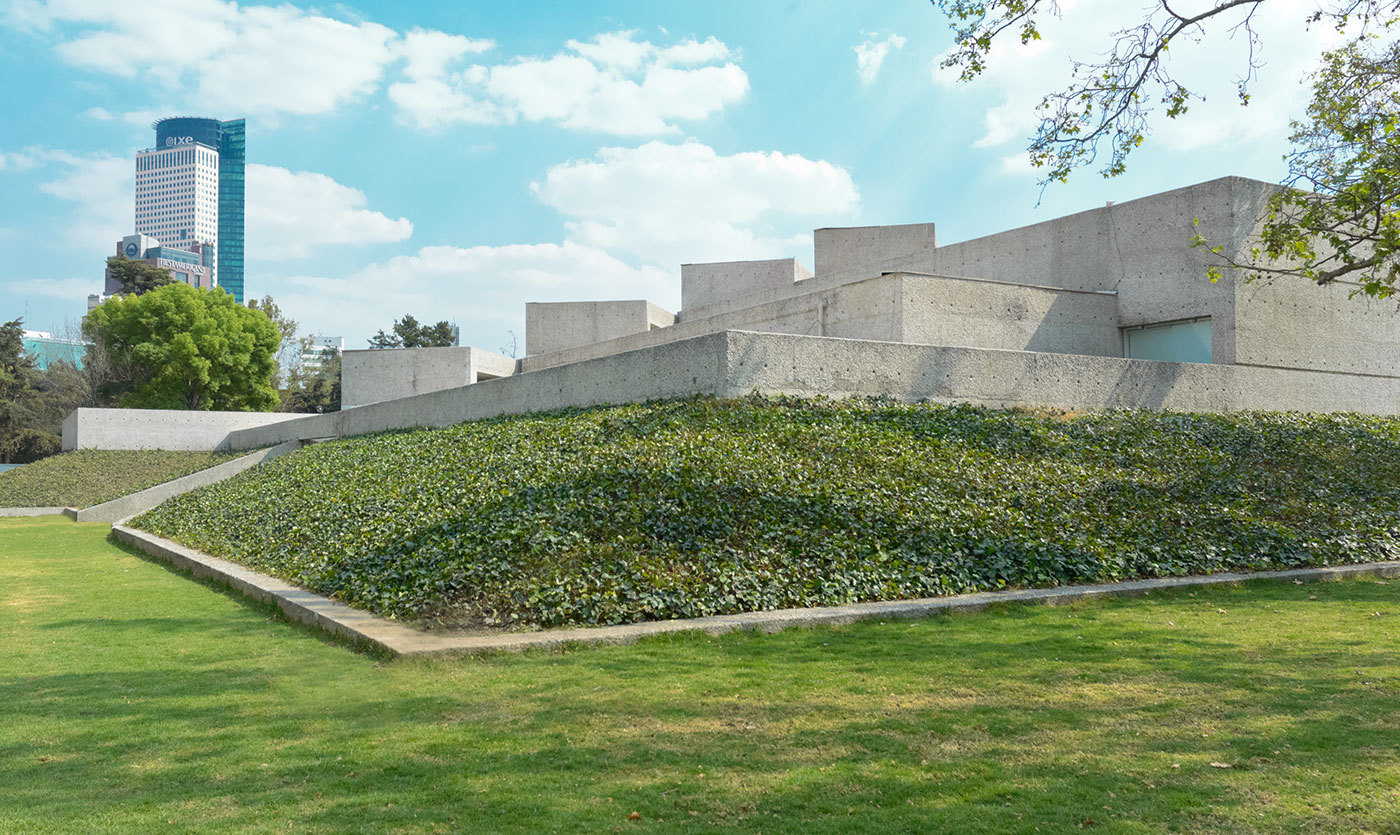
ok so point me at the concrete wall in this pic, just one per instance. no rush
(905, 308)
(985, 314)
(558, 326)
(839, 248)
(705, 285)
(735, 363)
(158, 428)
(369, 376)
(1293, 323)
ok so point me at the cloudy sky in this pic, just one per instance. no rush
(455, 160)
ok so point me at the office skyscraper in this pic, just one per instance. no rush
(189, 192)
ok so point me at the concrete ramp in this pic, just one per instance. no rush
(118, 510)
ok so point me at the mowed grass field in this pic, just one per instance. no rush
(134, 700)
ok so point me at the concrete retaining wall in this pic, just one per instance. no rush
(127, 506)
(370, 376)
(31, 511)
(735, 363)
(158, 428)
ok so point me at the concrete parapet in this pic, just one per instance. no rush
(706, 285)
(558, 326)
(31, 511)
(840, 248)
(158, 428)
(139, 502)
(736, 363)
(372, 375)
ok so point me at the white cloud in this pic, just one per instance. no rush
(101, 187)
(57, 288)
(17, 161)
(1018, 76)
(634, 214)
(222, 56)
(871, 54)
(483, 289)
(290, 213)
(669, 204)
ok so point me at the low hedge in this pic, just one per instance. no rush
(702, 507)
(86, 477)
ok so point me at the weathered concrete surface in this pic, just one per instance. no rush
(31, 511)
(158, 428)
(365, 629)
(371, 376)
(704, 285)
(558, 326)
(128, 506)
(839, 248)
(675, 369)
(736, 363)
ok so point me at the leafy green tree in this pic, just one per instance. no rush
(138, 277)
(313, 391)
(33, 402)
(289, 347)
(407, 333)
(180, 347)
(1336, 215)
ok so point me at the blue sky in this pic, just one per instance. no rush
(455, 160)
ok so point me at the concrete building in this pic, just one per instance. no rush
(189, 193)
(1107, 308)
(1120, 281)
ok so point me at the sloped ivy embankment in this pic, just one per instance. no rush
(700, 507)
(85, 477)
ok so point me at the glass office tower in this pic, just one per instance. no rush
(232, 146)
(189, 189)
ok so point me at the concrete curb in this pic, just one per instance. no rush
(32, 511)
(366, 629)
(125, 507)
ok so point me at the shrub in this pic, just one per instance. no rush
(701, 507)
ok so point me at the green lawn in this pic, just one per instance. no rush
(133, 700)
(85, 477)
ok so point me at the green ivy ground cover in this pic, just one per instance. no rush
(701, 507)
(86, 477)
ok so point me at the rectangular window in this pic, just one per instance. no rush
(1183, 341)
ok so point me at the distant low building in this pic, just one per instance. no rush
(193, 266)
(48, 349)
(321, 351)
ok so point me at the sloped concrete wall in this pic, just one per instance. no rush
(735, 363)
(158, 428)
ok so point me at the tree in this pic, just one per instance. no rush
(138, 277)
(288, 346)
(33, 402)
(316, 391)
(180, 347)
(409, 334)
(1336, 215)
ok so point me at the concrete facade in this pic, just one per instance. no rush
(849, 247)
(373, 375)
(158, 428)
(706, 285)
(558, 326)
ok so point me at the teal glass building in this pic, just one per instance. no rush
(232, 145)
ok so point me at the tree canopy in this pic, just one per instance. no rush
(138, 277)
(33, 402)
(1337, 213)
(407, 333)
(180, 347)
